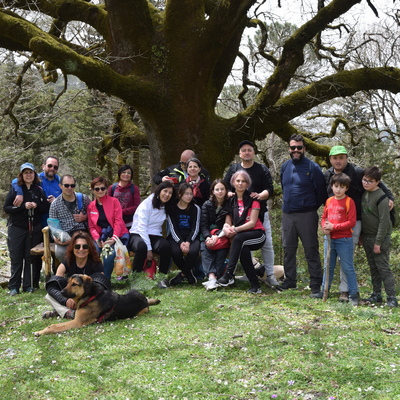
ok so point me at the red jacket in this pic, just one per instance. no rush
(113, 210)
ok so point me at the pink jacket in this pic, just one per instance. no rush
(113, 210)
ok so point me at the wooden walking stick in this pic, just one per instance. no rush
(327, 268)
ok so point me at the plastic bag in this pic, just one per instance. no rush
(57, 231)
(122, 262)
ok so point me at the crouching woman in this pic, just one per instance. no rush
(81, 258)
(244, 226)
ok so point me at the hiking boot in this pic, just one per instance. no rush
(271, 280)
(286, 285)
(50, 314)
(317, 295)
(391, 301)
(353, 300)
(374, 298)
(179, 278)
(226, 280)
(344, 297)
(254, 290)
(13, 292)
(190, 278)
(70, 314)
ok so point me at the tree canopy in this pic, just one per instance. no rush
(169, 62)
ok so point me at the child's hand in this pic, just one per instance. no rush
(328, 226)
(377, 248)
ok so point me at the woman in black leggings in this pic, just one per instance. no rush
(244, 226)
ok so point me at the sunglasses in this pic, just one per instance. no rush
(68, 185)
(296, 147)
(97, 189)
(81, 246)
(52, 166)
(183, 163)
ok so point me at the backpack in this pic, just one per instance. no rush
(347, 203)
(114, 186)
(393, 218)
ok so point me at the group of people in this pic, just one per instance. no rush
(223, 221)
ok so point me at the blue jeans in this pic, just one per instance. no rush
(342, 248)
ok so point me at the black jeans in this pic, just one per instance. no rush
(159, 246)
(19, 246)
(242, 245)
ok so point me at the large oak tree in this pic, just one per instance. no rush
(171, 63)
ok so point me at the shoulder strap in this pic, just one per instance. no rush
(114, 185)
(79, 200)
(347, 204)
(380, 199)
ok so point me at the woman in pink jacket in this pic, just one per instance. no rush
(105, 221)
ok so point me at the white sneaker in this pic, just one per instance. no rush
(212, 284)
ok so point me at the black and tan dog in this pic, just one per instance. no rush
(94, 304)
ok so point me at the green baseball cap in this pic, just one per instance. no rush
(335, 150)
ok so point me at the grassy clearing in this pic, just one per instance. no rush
(206, 345)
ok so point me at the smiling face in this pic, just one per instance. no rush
(240, 183)
(50, 168)
(81, 248)
(296, 150)
(99, 190)
(247, 153)
(219, 192)
(28, 176)
(67, 189)
(165, 195)
(126, 176)
(193, 170)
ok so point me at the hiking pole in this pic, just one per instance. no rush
(327, 268)
(30, 229)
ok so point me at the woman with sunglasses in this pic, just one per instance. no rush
(105, 221)
(81, 258)
(126, 192)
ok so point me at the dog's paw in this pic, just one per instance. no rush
(38, 333)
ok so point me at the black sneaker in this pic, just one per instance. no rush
(286, 285)
(260, 271)
(190, 278)
(179, 278)
(163, 284)
(374, 298)
(254, 290)
(318, 295)
(226, 280)
(353, 300)
(391, 301)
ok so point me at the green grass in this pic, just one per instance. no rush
(225, 344)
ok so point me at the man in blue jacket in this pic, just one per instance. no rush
(304, 191)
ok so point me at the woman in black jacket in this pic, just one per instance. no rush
(184, 227)
(81, 257)
(213, 215)
(25, 230)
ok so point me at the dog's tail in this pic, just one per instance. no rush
(153, 302)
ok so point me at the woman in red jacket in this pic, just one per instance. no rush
(105, 221)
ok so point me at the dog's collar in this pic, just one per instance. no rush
(87, 301)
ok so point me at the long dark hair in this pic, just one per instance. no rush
(156, 202)
(93, 254)
(20, 179)
(181, 190)
(212, 197)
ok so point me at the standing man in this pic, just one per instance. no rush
(70, 209)
(304, 191)
(178, 172)
(261, 188)
(338, 158)
(50, 183)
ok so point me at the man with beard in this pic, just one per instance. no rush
(304, 191)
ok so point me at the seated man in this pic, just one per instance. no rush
(70, 209)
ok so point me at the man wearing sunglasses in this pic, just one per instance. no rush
(178, 172)
(70, 209)
(304, 191)
(49, 181)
